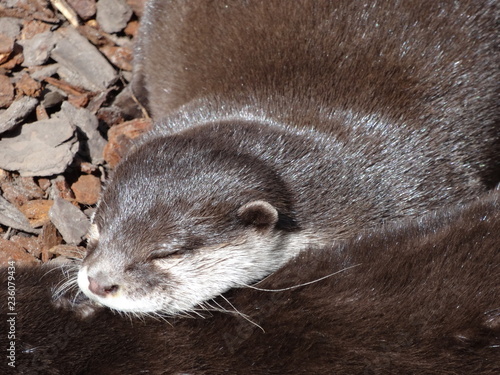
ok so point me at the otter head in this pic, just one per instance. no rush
(182, 221)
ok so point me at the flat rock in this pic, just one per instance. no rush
(41, 148)
(10, 216)
(39, 72)
(87, 122)
(10, 26)
(37, 50)
(69, 221)
(84, 8)
(16, 113)
(127, 103)
(113, 15)
(10, 251)
(52, 97)
(83, 66)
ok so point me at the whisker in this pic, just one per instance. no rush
(244, 316)
(304, 284)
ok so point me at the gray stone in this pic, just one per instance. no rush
(10, 26)
(72, 223)
(52, 98)
(88, 123)
(36, 51)
(16, 113)
(10, 216)
(127, 103)
(113, 15)
(15, 3)
(89, 212)
(84, 65)
(127, 76)
(45, 71)
(41, 148)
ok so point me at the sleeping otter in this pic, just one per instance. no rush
(414, 297)
(289, 125)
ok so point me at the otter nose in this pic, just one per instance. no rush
(102, 290)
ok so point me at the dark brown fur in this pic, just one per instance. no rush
(420, 297)
(341, 115)
(403, 93)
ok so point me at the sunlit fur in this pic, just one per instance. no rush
(340, 115)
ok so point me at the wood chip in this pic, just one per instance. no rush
(121, 57)
(14, 59)
(65, 86)
(30, 244)
(66, 10)
(41, 113)
(87, 189)
(37, 211)
(68, 251)
(6, 47)
(6, 92)
(49, 237)
(30, 10)
(132, 28)
(62, 189)
(33, 27)
(120, 137)
(28, 86)
(12, 251)
(20, 190)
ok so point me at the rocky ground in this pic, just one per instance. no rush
(66, 117)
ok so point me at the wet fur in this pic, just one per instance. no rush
(414, 297)
(341, 115)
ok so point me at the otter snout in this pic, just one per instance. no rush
(101, 289)
(96, 285)
(113, 291)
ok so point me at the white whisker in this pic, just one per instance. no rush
(304, 284)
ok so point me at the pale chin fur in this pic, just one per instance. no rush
(203, 276)
(119, 302)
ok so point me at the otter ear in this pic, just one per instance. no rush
(260, 214)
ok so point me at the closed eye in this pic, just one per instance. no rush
(167, 253)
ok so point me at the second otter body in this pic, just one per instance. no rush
(281, 126)
(409, 298)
